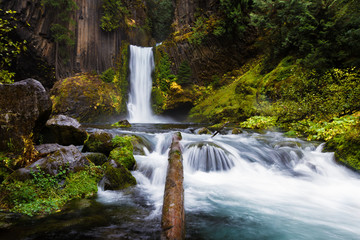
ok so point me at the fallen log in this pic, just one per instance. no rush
(173, 213)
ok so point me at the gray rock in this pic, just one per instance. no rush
(54, 157)
(99, 141)
(64, 130)
(25, 107)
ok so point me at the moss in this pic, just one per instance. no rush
(124, 156)
(122, 74)
(46, 194)
(87, 98)
(99, 141)
(118, 178)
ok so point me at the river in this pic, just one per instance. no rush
(247, 186)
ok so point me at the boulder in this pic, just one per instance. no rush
(122, 124)
(236, 131)
(64, 130)
(92, 100)
(123, 156)
(99, 141)
(97, 158)
(203, 130)
(54, 158)
(25, 107)
(117, 177)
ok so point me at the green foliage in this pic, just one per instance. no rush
(114, 15)
(259, 122)
(321, 33)
(9, 49)
(236, 15)
(158, 99)
(184, 74)
(205, 26)
(161, 16)
(163, 73)
(122, 74)
(108, 75)
(45, 194)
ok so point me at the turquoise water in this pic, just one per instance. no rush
(275, 188)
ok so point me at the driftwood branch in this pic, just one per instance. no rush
(221, 128)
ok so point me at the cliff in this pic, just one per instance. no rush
(94, 49)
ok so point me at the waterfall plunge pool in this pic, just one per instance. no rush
(272, 187)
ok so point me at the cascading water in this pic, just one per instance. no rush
(247, 186)
(141, 67)
(254, 186)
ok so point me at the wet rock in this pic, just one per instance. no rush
(203, 130)
(124, 157)
(139, 144)
(122, 124)
(25, 107)
(99, 141)
(54, 158)
(117, 177)
(97, 158)
(64, 130)
(236, 131)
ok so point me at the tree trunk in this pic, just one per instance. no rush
(173, 213)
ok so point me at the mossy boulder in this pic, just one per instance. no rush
(25, 107)
(99, 141)
(64, 130)
(117, 177)
(123, 156)
(236, 131)
(53, 159)
(203, 130)
(122, 124)
(87, 98)
(97, 158)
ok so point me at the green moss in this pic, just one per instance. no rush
(118, 178)
(46, 194)
(122, 74)
(123, 156)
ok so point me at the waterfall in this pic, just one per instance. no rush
(141, 67)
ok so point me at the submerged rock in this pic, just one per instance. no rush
(25, 107)
(64, 130)
(99, 141)
(54, 158)
(203, 130)
(236, 131)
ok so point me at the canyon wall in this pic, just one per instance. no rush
(94, 49)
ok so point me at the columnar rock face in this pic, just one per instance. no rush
(185, 11)
(25, 107)
(94, 48)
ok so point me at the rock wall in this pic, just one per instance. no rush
(94, 50)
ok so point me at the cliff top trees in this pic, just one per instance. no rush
(61, 33)
(113, 15)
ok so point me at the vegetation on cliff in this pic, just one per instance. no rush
(9, 48)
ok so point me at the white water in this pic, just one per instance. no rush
(141, 67)
(276, 188)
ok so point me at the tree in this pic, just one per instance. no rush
(161, 15)
(61, 33)
(9, 48)
(113, 16)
